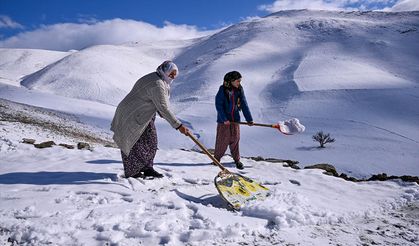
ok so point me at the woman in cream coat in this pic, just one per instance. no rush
(133, 123)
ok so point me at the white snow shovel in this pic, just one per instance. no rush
(234, 188)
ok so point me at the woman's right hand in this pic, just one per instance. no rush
(226, 122)
(184, 130)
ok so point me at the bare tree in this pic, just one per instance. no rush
(323, 138)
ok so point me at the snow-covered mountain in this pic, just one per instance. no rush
(354, 75)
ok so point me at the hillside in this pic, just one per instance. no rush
(354, 75)
(351, 74)
(103, 73)
(15, 64)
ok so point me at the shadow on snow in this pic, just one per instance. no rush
(103, 161)
(57, 178)
(214, 200)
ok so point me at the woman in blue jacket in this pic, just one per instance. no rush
(229, 100)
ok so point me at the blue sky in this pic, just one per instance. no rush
(204, 14)
(75, 24)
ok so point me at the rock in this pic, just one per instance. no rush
(330, 174)
(353, 179)
(68, 146)
(407, 178)
(46, 144)
(28, 140)
(293, 166)
(83, 145)
(347, 178)
(384, 177)
(330, 170)
(290, 163)
(379, 177)
(344, 176)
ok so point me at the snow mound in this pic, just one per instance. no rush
(102, 73)
(291, 126)
(17, 63)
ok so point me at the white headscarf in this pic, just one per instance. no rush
(165, 69)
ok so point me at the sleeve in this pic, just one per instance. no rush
(245, 107)
(219, 105)
(160, 99)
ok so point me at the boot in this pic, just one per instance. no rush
(150, 172)
(139, 175)
(239, 165)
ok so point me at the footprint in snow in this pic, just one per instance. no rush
(127, 199)
(271, 183)
(196, 181)
(292, 181)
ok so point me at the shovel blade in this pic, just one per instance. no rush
(238, 190)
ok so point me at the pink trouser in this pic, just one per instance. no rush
(227, 135)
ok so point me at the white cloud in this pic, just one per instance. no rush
(279, 5)
(406, 5)
(87, 19)
(302, 4)
(67, 36)
(250, 18)
(7, 22)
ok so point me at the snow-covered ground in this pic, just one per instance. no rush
(65, 196)
(354, 75)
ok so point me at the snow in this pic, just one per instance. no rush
(340, 73)
(61, 196)
(17, 63)
(406, 5)
(351, 74)
(96, 73)
(291, 126)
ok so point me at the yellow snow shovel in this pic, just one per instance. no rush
(234, 188)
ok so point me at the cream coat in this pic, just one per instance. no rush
(149, 95)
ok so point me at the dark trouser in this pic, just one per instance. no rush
(227, 135)
(142, 153)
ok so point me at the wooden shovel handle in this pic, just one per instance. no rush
(276, 126)
(258, 124)
(207, 152)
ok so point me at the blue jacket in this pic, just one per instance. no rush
(228, 104)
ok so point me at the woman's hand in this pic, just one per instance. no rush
(184, 130)
(227, 123)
